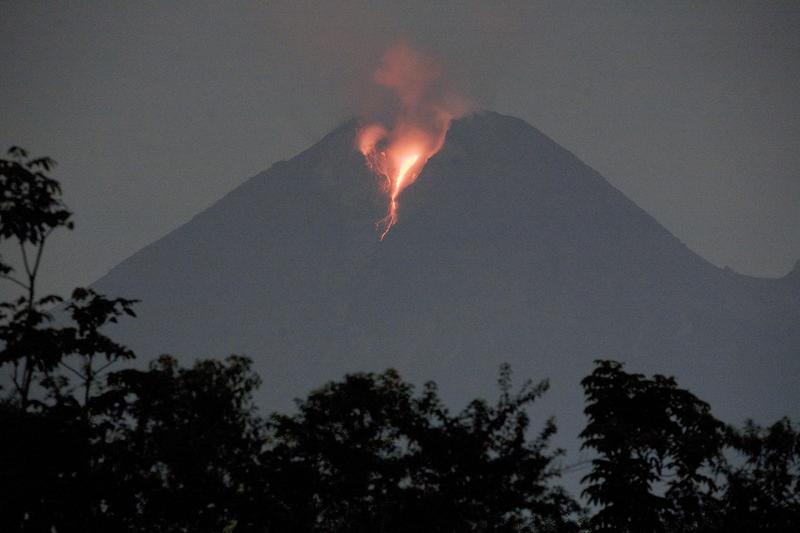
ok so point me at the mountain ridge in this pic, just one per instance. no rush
(507, 248)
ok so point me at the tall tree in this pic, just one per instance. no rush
(657, 447)
(30, 210)
(47, 455)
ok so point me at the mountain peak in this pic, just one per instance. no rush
(507, 248)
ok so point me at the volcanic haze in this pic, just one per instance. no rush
(507, 248)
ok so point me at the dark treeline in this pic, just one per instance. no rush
(87, 445)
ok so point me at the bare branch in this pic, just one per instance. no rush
(108, 364)
(25, 259)
(574, 467)
(14, 379)
(65, 365)
(14, 280)
(39, 252)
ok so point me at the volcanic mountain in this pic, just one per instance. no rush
(507, 249)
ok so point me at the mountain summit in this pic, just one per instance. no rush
(507, 248)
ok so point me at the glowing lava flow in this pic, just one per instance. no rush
(406, 165)
(422, 111)
(399, 157)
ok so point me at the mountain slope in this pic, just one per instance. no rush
(508, 248)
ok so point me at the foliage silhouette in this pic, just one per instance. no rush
(664, 463)
(47, 463)
(185, 444)
(647, 432)
(365, 454)
(30, 210)
(762, 491)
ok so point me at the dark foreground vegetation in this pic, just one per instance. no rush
(89, 446)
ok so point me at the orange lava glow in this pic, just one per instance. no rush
(402, 179)
(418, 127)
(399, 158)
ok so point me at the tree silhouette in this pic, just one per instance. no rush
(182, 446)
(762, 492)
(365, 454)
(657, 446)
(48, 454)
(30, 210)
(664, 463)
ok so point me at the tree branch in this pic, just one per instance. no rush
(25, 259)
(39, 252)
(14, 379)
(108, 364)
(14, 280)
(574, 467)
(65, 365)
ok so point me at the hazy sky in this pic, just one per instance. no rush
(154, 110)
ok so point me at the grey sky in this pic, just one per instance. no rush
(155, 110)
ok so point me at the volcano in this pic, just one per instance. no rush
(507, 248)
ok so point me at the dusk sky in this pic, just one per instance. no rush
(154, 110)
